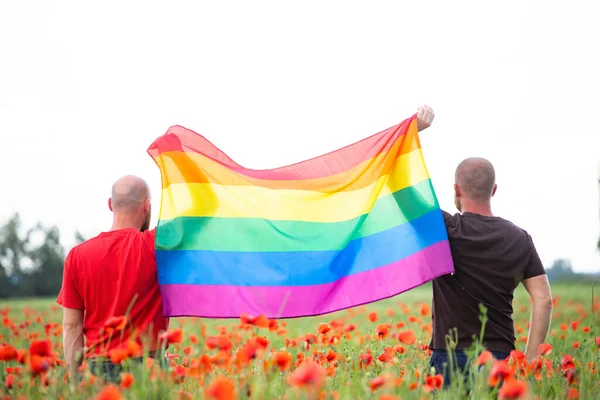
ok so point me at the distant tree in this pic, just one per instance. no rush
(13, 255)
(79, 238)
(562, 265)
(5, 286)
(31, 263)
(48, 259)
(560, 268)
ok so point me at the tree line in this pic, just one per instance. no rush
(562, 270)
(31, 260)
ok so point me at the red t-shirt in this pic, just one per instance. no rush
(107, 275)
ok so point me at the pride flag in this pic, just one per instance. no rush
(350, 227)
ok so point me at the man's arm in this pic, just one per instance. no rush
(541, 312)
(73, 314)
(73, 339)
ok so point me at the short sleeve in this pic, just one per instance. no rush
(149, 238)
(70, 295)
(535, 266)
(448, 219)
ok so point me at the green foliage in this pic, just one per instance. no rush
(28, 267)
(79, 238)
(561, 270)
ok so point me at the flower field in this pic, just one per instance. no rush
(379, 351)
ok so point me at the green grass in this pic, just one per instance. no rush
(574, 304)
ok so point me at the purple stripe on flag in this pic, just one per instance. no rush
(225, 301)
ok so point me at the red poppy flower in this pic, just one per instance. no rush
(8, 353)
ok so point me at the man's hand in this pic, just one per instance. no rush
(424, 117)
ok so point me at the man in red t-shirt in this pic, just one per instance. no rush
(113, 275)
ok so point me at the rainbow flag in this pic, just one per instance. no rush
(347, 228)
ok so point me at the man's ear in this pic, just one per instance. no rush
(147, 205)
(457, 190)
(494, 189)
(110, 205)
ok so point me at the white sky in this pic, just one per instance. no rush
(84, 89)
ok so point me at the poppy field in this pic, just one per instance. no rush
(378, 351)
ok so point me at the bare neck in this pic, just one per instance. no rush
(472, 207)
(123, 221)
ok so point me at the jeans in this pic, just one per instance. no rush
(441, 361)
(109, 372)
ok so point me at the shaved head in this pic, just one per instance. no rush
(476, 178)
(129, 193)
(130, 197)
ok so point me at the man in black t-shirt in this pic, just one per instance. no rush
(492, 256)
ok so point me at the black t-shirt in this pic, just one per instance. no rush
(491, 257)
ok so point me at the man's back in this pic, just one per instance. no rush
(491, 257)
(112, 275)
